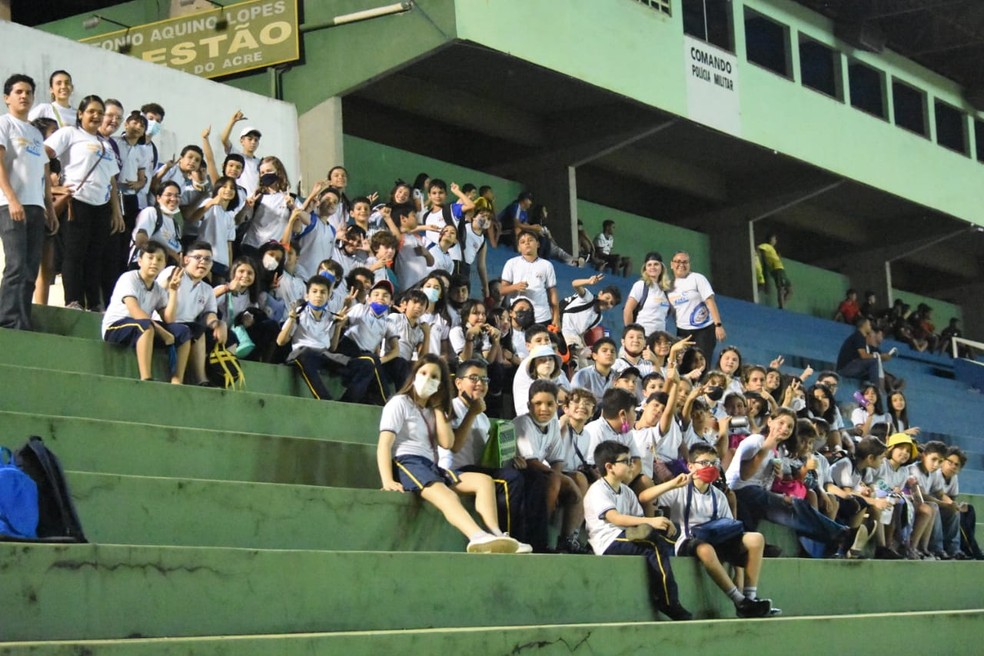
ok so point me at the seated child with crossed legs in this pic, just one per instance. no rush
(693, 501)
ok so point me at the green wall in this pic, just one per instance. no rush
(374, 167)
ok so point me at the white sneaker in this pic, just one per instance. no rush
(523, 548)
(489, 543)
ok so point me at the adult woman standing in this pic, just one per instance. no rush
(89, 168)
(60, 108)
(648, 304)
(694, 306)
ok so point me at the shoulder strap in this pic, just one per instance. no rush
(686, 512)
(642, 301)
(102, 151)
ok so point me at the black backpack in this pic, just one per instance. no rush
(568, 301)
(58, 521)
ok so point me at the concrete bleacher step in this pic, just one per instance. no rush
(143, 449)
(891, 632)
(91, 355)
(80, 592)
(70, 394)
(137, 510)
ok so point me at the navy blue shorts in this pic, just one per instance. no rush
(128, 331)
(416, 472)
(733, 551)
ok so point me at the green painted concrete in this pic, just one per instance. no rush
(886, 633)
(67, 394)
(170, 512)
(109, 591)
(140, 449)
(88, 355)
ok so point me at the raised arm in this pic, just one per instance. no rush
(227, 131)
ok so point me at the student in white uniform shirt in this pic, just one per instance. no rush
(270, 206)
(414, 423)
(249, 143)
(533, 277)
(538, 442)
(25, 202)
(520, 493)
(440, 215)
(599, 376)
(578, 411)
(693, 501)
(414, 262)
(60, 109)
(584, 312)
(474, 248)
(128, 321)
(313, 231)
(196, 308)
(411, 332)
(366, 332)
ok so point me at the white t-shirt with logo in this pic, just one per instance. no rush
(24, 159)
(80, 152)
(540, 276)
(688, 298)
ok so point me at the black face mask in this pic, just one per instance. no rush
(715, 393)
(524, 318)
(269, 179)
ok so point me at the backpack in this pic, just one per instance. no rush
(223, 369)
(568, 301)
(134, 251)
(18, 499)
(57, 517)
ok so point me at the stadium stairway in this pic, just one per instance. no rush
(250, 522)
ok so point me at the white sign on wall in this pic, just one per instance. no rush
(712, 86)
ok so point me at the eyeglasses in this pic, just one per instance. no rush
(207, 259)
(707, 463)
(475, 378)
(170, 195)
(622, 461)
(587, 403)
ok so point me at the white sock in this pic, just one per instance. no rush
(479, 535)
(751, 592)
(735, 596)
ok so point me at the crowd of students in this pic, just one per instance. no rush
(638, 439)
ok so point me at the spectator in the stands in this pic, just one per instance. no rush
(648, 303)
(89, 167)
(694, 306)
(584, 311)
(604, 243)
(25, 203)
(859, 356)
(533, 277)
(60, 108)
(249, 143)
(514, 218)
(849, 309)
(772, 264)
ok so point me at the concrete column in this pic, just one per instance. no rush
(556, 188)
(321, 140)
(973, 311)
(732, 267)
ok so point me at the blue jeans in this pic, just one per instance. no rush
(757, 503)
(22, 242)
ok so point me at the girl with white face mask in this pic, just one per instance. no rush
(414, 423)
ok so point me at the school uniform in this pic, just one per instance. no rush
(703, 507)
(599, 431)
(310, 339)
(606, 538)
(365, 334)
(540, 277)
(119, 327)
(443, 260)
(317, 242)
(410, 267)
(415, 444)
(593, 380)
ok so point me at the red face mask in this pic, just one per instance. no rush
(707, 474)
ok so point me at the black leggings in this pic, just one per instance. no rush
(85, 239)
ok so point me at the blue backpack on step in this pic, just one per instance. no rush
(18, 499)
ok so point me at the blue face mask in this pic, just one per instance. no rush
(433, 295)
(317, 308)
(379, 309)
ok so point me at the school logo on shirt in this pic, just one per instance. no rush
(30, 146)
(700, 315)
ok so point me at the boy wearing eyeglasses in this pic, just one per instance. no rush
(520, 497)
(196, 308)
(705, 503)
(617, 526)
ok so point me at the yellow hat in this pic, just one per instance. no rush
(902, 438)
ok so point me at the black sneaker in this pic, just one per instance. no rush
(753, 607)
(675, 612)
(887, 553)
(772, 551)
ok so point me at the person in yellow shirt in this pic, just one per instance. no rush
(773, 264)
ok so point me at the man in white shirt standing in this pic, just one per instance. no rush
(25, 202)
